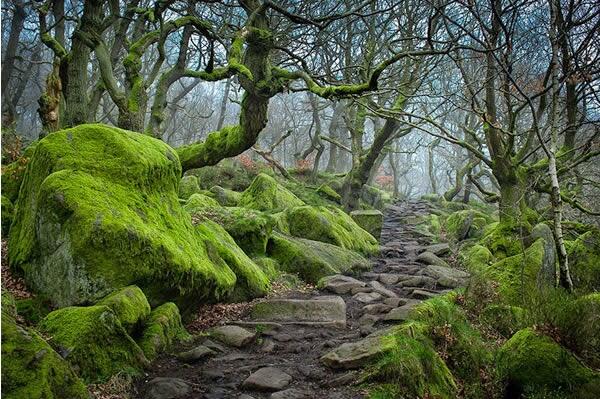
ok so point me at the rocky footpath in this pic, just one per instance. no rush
(310, 344)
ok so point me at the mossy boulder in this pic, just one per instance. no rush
(129, 305)
(504, 239)
(375, 197)
(226, 197)
(13, 173)
(93, 341)
(188, 186)
(412, 366)
(531, 362)
(251, 281)
(33, 310)
(584, 260)
(326, 191)
(517, 275)
(330, 225)
(476, 258)
(265, 194)
(312, 260)
(98, 211)
(32, 369)
(197, 202)
(249, 228)
(505, 319)
(369, 220)
(162, 329)
(583, 328)
(228, 173)
(465, 224)
(7, 214)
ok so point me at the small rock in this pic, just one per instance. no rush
(437, 272)
(340, 284)
(233, 335)
(438, 249)
(389, 278)
(196, 354)
(212, 374)
(345, 379)
(420, 294)
(401, 313)
(378, 287)
(353, 355)
(376, 308)
(356, 290)
(244, 396)
(268, 346)
(394, 302)
(418, 281)
(282, 337)
(167, 388)
(367, 297)
(267, 379)
(430, 258)
(291, 393)
(233, 357)
(368, 320)
(213, 345)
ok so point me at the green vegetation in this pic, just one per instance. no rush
(162, 329)
(265, 194)
(129, 305)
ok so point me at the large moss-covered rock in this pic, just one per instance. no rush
(265, 194)
(196, 202)
(326, 191)
(249, 228)
(12, 174)
(330, 225)
(369, 220)
(466, 224)
(503, 239)
(583, 328)
(584, 260)
(32, 369)
(226, 197)
(476, 258)
(312, 260)
(188, 186)
(531, 362)
(162, 329)
(129, 305)
(93, 341)
(7, 214)
(98, 210)
(517, 275)
(229, 174)
(375, 197)
(251, 280)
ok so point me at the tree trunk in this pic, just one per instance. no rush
(224, 101)
(8, 63)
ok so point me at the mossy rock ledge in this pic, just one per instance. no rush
(99, 210)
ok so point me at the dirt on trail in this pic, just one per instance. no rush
(283, 360)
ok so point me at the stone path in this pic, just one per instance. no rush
(310, 345)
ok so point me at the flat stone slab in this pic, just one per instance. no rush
(367, 297)
(291, 393)
(401, 313)
(418, 281)
(430, 258)
(267, 379)
(196, 354)
(340, 284)
(233, 335)
(353, 355)
(323, 310)
(376, 308)
(378, 287)
(389, 278)
(440, 249)
(437, 272)
(422, 294)
(167, 388)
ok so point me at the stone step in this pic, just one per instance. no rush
(322, 310)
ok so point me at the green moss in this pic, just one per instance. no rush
(327, 192)
(369, 220)
(162, 329)
(226, 197)
(375, 197)
(249, 228)
(188, 186)
(228, 173)
(13, 174)
(531, 362)
(99, 205)
(584, 261)
(504, 239)
(312, 260)
(93, 342)
(7, 215)
(466, 224)
(330, 225)
(579, 324)
(197, 202)
(504, 319)
(516, 276)
(251, 281)
(32, 369)
(476, 258)
(32, 309)
(269, 266)
(129, 305)
(265, 194)
(412, 366)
